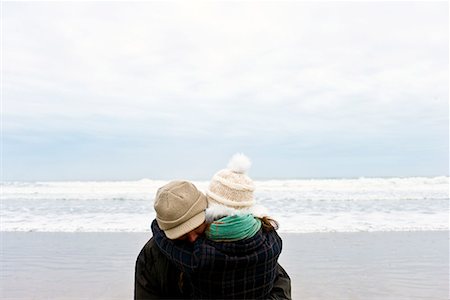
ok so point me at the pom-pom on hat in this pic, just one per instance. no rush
(231, 186)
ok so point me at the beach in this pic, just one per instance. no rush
(364, 265)
(329, 117)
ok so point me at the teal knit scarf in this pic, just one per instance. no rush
(233, 228)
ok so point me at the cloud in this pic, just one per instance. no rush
(265, 72)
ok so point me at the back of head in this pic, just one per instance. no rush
(180, 208)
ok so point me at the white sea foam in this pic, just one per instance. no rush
(315, 205)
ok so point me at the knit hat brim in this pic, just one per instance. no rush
(183, 228)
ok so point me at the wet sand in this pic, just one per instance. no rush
(381, 265)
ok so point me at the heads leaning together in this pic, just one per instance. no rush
(182, 211)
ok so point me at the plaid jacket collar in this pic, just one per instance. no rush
(241, 247)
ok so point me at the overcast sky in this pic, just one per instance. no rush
(165, 90)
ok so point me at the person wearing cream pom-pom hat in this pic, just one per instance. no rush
(231, 186)
(231, 192)
(238, 257)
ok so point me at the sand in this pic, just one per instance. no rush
(381, 265)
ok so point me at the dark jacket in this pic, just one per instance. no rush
(244, 269)
(158, 278)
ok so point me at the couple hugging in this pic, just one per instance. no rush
(218, 245)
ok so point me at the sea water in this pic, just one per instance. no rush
(307, 205)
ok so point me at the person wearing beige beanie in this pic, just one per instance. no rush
(180, 213)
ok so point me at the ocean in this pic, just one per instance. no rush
(300, 206)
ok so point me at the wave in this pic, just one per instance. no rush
(303, 205)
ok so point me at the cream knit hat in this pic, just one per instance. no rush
(231, 186)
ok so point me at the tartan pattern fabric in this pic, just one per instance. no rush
(244, 269)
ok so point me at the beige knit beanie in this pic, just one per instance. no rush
(231, 186)
(180, 208)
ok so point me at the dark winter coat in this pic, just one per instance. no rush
(158, 278)
(244, 269)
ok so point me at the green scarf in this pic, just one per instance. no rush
(233, 228)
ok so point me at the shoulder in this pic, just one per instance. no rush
(272, 242)
(273, 236)
(147, 255)
(151, 254)
(155, 276)
(151, 260)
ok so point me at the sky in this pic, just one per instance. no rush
(171, 90)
